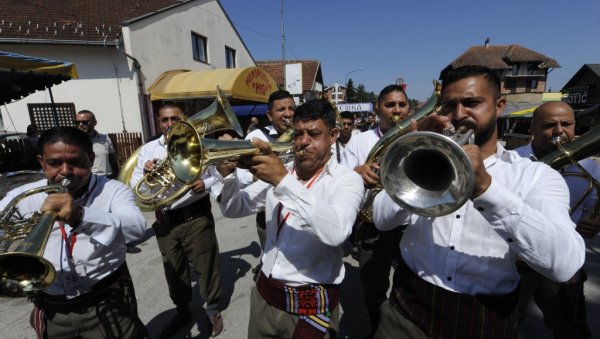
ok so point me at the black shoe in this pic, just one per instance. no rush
(176, 323)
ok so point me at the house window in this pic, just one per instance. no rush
(533, 84)
(229, 57)
(199, 48)
(531, 67)
(515, 69)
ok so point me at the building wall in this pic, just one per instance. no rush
(164, 41)
(106, 86)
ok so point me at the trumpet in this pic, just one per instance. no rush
(23, 270)
(428, 173)
(581, 148)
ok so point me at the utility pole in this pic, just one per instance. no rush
(282, 35)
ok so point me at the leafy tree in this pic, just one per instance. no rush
(351, 95)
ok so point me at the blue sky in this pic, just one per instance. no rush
(415, 39)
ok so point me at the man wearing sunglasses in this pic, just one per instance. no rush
(105, 162)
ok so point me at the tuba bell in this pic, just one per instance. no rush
(23, 269)
(160, 188)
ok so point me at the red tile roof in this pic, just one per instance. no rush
(311, 71)
(501, 57)
(73, 21)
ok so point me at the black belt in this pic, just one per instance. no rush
(98, 292)
(186, 213)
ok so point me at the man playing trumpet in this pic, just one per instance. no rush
(307, 222)
(457, 277)
(563, 305)
(92, 295)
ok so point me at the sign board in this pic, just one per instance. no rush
(356, 107)
(293, 78)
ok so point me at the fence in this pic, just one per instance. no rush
(125, 144)
(16, 155)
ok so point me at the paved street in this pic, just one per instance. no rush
(239, 253)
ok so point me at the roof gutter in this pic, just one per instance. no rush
(56, 42)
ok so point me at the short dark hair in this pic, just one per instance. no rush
(389, 89)
(316, 109)
(347, 115)
(168, 104)
(68, 135)
(85, 111)
(452, 75)
(278, 95)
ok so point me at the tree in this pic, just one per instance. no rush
(350, 91)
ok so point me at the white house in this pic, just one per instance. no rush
(119, 47)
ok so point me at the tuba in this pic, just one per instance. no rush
(160, 188)
(586, 145)
(23, 270)
(401, 128)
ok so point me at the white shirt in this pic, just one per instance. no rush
(157, 149)
(111, 218)
(523, 214)
(308, 248)
(358, 148)
(103, 147)
(338, 149)
(244, 176)
(577, 185)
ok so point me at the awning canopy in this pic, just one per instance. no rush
(251, 84)
(22, 75)
(519, 109)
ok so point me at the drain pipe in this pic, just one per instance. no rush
(141, 98)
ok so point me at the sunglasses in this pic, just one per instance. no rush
(166, 119)
(84, 122)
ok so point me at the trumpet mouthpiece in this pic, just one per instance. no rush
(300, 153)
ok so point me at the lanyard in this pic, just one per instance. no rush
(379, 132)
(280, 222)
(70, 245)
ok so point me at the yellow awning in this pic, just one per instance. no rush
(245, 84)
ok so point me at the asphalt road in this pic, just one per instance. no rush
(239, 253)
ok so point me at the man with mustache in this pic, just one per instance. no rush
(92, 295)
(457, 277)
(563, 305)
(307, 219)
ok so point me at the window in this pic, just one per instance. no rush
(533, 84)
(199, 48)
(229, 57)
(531, 67)
(515, 69)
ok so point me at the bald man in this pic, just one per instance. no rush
(563, 305)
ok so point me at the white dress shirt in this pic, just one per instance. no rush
(103, 147)
(157, 149)
(577, 185)
(111, 218)
(523, 214)
(308, 248)
(244, 176)
(358, 148)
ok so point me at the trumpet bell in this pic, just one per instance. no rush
(427, 173)
(24, 274)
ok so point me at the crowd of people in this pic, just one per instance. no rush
(467, 274)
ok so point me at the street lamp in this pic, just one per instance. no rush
(347, 74)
